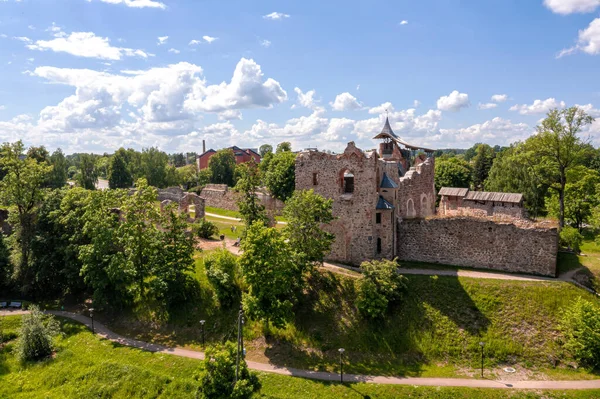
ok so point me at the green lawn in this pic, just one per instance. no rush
(234, 214)
(588, 262)
(435, 331)
(85, 366)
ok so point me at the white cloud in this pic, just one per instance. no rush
(538, 106)
(174, 51)
(588, 40)
(453, 102)
(162, 40)
(31, 27)
(230, 114)
(2, 107)
(403, 22)
(265, 43)
(345, 102)
(164, 100)
(306, 100)
(86, 44)
(416, 103)
(3, 35)
(499, 98)
(136, 3)
(487, 106)
(495, 131)
(590, 110)
(357, 87)
(380, 109)
(24, 39)
(276, 15)
(209, 39)
(572, 6)
(193, 42)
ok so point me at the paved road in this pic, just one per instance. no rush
(104, 332)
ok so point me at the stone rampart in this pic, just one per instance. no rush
(416, 192)
(480, 243)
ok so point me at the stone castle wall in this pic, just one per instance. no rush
(472, 208)
(479, 243)
(221, 196)
(416, 194)
(355, 212)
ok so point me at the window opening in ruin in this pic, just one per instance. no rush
(315, 178)
(378, 218)
(348, 182)
(378, 245)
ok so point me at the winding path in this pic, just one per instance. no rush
(104, 332)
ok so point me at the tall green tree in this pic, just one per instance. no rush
(556, 148)
(21, 190)
(285, 146)
(265, 149)
(88, 175)
(452, 172)
(40, 154)
(5, 263)
(305, 213)
(58, 175)
(222, 167)
(581, 196)
(271, 275)
(119, 175)
(154, 166)
(250, 206)
(280, 176)
(482, 163)
(512, 172)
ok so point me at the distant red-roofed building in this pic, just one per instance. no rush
(242, 155)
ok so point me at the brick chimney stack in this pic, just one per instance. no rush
(203, 146)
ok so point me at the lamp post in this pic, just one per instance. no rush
(92, 316)
(341, 350)
(240, 343)
(202, 324)
(482, 344)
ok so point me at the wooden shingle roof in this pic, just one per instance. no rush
(496, 197)
(453, 191)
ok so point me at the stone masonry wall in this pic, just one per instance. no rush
(221, 196)
(480, 243)
(416, 192)
(451, 207)
(355, 239)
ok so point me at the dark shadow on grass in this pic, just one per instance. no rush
(568, 262)
(326, 319)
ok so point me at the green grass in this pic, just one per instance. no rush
(234, 214)
(435, 331)
(588, 262)
(85, 366)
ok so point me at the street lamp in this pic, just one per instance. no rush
(240, 342)
(341, 350)
(92, 316)
(482, 344)
(202, 324)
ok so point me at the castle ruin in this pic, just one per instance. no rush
(384, 207)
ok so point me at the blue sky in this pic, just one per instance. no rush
(99, 74)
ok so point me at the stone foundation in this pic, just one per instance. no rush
(479, 243)
(221, 196)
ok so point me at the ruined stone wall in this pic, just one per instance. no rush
(416, 194)
(355, 236)
(480, 243)
(487, 210)
(221, 196)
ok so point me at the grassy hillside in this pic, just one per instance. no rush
(85, 366)
(435, 331)
(588, 263)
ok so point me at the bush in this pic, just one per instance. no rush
(380, 285)
(217, 375)
(221, 269)
(205, 229)
(571, 238)
(580, 325)
(37, 331)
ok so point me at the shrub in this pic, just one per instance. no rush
(37, 331)
(217, 375)
(205, 228)
(571, 238)
(580, 325)
(221, 269)
(380, 285)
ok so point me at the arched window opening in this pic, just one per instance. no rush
(347, 182)
(410, 208)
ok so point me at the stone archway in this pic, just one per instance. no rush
(410, 209)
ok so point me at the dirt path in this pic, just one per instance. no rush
(104, 332)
